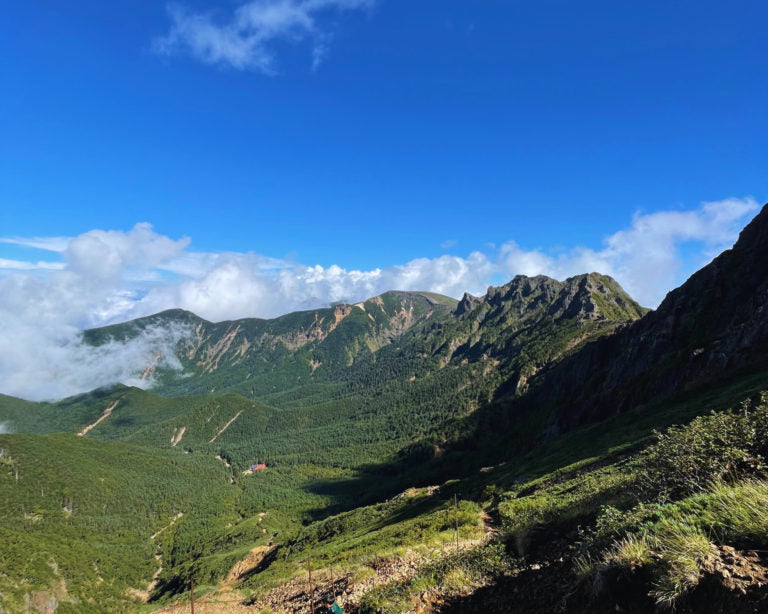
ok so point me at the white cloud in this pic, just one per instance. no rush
(449, 243)
(107, 254)
(49, 244)
(646, 257)
(234, 285)
(4, 428)
(21, 265)
(112, 276)
(246, 39)
(44, 364)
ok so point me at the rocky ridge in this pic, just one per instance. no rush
(714, 322)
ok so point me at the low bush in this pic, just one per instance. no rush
(729, 445)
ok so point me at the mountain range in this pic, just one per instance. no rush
(392, 430)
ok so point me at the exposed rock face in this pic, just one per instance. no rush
(467, 304)
(588, 297)
(716, 320)
(538, 316)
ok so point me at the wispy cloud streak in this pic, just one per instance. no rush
(246, 39)
(22, 265)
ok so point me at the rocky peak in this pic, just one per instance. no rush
(467, 304)
(589, 296)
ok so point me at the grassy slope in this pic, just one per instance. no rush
(577, 496)
(567, 483)
(305, 480)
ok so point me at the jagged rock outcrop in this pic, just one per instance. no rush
(467, 304)
(589, 296)
(538, 316)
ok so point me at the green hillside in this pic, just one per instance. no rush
(257, 357)
(77, 517)
(346, 395)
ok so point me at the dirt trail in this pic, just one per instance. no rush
(104, 415)
(173, 522)
(145, 594)
(232, 603)
(223, 460)
(292, 597)
(177, 435)
(225, 427)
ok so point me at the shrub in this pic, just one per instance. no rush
(728, 445)
(564, 504)
(630, 551)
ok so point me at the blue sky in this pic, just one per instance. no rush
(252, 157)
(548, 123)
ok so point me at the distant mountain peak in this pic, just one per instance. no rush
(590, 296)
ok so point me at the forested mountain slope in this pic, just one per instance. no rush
(257, 357)
(329, 399)
(313, 356)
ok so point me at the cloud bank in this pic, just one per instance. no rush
(40, 364)
(103, 277)
(246, 40)
(646, 257)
